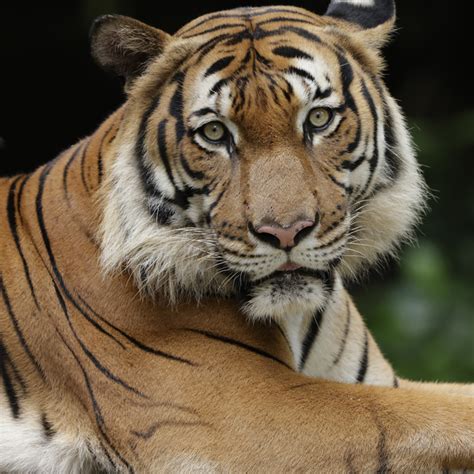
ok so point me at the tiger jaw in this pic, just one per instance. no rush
(286, 294)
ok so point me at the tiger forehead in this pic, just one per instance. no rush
(248, 80)
(218, 22)
(256, 49)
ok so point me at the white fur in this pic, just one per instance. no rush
(25, 449)
(174, 262)
(329, 357)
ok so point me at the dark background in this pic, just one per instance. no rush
(421, 310)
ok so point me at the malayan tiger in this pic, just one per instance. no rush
(258, 161)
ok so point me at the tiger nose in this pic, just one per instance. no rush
(284, 237)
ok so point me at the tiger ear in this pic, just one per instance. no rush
(125, 46)
(374, 20)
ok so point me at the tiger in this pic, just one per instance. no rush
(257, 150)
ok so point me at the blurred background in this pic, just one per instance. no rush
(421, 309)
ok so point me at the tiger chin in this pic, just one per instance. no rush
(255, 165)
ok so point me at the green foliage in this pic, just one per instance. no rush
(423, 316)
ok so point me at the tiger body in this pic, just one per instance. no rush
(96, 378)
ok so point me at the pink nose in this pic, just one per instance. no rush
(286, 236)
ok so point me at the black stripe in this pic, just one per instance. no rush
(145, 173)
(203, 111)
(348, 189)
(215, 203)
(392, 159)
(280, 19)
(373, 111)
(97, 412)
(219, 65)
(285, 337)
(137, 343)
(225, 26)
(100, 164)
(188, 170)
(165, 213)
(83, 171)
(216, 88)
(396, 383)
(245, 15)
(47, 244)
(364, 361)
(18, 330)
(52, 259)
(70, 161)
(347, 78)
(16, 238)
(374, 160)
(347, 325)
(310, 337)
(234, 342)
(8, 383)
(48, 430)
(301, 32)
(176, 106)
(383, 464)
(16, 372)
(208, 46)
(163, 150)
(99, 366)
(301, 72)
(19, 199)
(336, 130)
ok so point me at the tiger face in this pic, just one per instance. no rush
(259, 154)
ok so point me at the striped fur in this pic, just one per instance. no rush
(97, 380)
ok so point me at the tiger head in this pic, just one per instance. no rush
(259, 152)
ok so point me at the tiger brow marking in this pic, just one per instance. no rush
(12, 222)
(291, 52)
(219, 65)
(236, 343)
(301, 72)
(203, 111)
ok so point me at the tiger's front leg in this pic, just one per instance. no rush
(334, 343)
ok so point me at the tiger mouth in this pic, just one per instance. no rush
(290, 277)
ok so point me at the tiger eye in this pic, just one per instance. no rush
(214, 131)
(320, 117)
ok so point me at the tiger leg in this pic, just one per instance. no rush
(334, 343)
